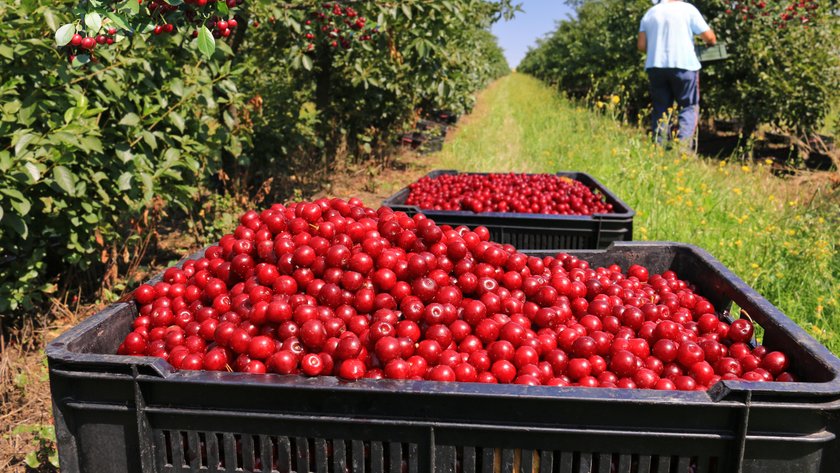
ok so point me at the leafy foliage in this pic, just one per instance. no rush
(94, 150)
(780, 72)
(427, 55)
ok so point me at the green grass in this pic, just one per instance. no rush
(832, 122)
(771, 232)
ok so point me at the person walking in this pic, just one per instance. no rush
(666, 34)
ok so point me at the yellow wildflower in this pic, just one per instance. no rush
(615, 99)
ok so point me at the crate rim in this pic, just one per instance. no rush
(58, 351)
(628, 212)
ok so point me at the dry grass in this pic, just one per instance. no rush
(24, 386)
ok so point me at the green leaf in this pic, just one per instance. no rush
(22, 207)
(148, 186)
(81, 60)
(118, 21)
(64, 34)
(130, 119)
(294, 25)
(69, 115)
(91, 143)
(307, 62)
(13, 193)
(228, 119)
(17, 224)
(5, 161)
(420, 46)
(131, 6)
(31, 460)
(124, 153)
(177, 87)
(7, 52)
(177, 120)
(33, 171)
(93, 22)
(170, 157)
(22, 143)
(150, 139)
(222, 8)
(49, 18)
(406, 9)
(206, 43)
(124, 181)
(65, 179)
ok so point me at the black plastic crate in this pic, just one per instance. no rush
(445, 116)
(433, 126)
(432, 145)
(537, 231)
(424, 143)
(130, 414)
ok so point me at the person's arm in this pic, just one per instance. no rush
(701, 28)
(641, 43)
(709, 37)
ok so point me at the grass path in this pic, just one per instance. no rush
(776, 234)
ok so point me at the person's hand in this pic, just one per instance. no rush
(709, 37)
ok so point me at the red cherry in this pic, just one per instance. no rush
(144, 294)
(741, 330)
(775, 363)
(312, 364)
(351, 369)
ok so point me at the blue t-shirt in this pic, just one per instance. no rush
(670, 28)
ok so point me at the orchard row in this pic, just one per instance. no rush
(789, 86)
(152, 121)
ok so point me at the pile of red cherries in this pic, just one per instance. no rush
(507, 192)
(333, 288)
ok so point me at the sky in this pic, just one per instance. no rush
(539, 17)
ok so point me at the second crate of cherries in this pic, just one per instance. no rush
(566, 210)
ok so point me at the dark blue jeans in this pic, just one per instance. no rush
(668, 85)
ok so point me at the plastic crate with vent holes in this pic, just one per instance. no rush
(537, 231)
(120, 414)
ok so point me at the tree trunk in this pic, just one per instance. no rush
(323, 101)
